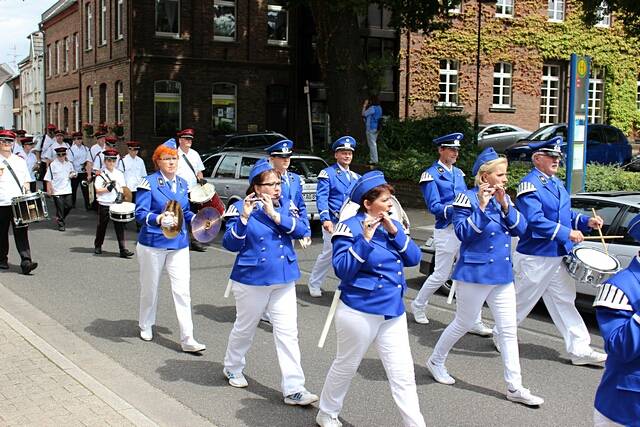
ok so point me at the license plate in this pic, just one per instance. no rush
(309, 197)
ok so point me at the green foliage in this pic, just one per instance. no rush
(611, 178)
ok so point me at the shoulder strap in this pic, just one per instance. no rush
(189, 164)
(13, 174)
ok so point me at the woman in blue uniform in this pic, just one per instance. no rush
(485, 219)
(370, 251)
(260, 229)
(157, 252)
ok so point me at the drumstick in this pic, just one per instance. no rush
(604, 245)
(602, 237)
(327, 323)
(227, 291)
(452, 292)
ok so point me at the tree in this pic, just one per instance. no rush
(627, 10)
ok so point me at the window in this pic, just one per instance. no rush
(90, 105)
(77, 51)
(624, 227)
(56, 114)
(223, 106)
(167, 102)
(455, 6)
(555, 11)
(550, 95)
(246, 165)
(612, 135)
(227, 168)
(448, 92)
(76, 116)
(277, 108)
(168, 17)
(277, 23)
(209, 164)
(65, 57)
(119, 19)
(104, 116)
(119, 101)
(103, 23)
(608, 211)
(65, 119)
(502, 85)
(58, 57)
(88, 12)
(504, 8)
(596, 95)
(49, 61)
(604, 15)
(224, 20)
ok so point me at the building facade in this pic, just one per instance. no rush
(32, 85)
(6, 96)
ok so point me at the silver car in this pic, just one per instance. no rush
(228, 171)
(500, 136)
(616, 209)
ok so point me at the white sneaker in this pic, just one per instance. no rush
(235, 380)
(524, 396)
(593, 358)
(325, 420)
(302, 398)
(419, 314)
(481, 329)
(192, 346)
(146, 334)
(496, 342)
(439, 373)
(315, 292)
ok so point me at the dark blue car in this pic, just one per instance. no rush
(605, 144)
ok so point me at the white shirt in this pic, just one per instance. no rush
(185, 171)
(46, 144)
(9, 188)
(103, 180)
(31, 162)
(58, 174)
(134, 170)
(447, 168)
(50, 154)
(95, 151)
(18, 150)
(78, 154)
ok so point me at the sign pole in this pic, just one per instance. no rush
(577, 125)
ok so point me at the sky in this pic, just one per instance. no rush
(18, 19)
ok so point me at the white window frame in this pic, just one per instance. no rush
(65, 63)
(451, 69)
(596, 94)
(550, 83)
(164, 33)
(279, 8)
(167, 95)
(502, 6)
(556, 10)
(227, 3)
(119, 20)
(89, 26)
(57, 57)
(76, 60)
(76, 116)
(604, 20)
(49, 61)
(90, 105)
(103, 22)
(505, 85)
(225, 98)
(120, 101)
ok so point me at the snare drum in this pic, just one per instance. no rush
(350, 208)
(590, 265)
(122, 212)
(29, 208)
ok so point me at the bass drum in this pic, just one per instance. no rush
(350, 208)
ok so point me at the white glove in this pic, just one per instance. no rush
(305, 242)
(168, 220)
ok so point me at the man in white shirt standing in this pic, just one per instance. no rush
(80, 157)
(96, 149)
(18, 150)
(32, 161)
(190, 168)
(133, 168)
(14, 181)
(50, 155)
(58, 180)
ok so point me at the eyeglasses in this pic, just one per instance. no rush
(133, 148)
(109, 159)
(169, 159)
(61, 154)
(271, 184)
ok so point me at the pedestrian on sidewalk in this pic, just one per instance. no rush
(372, 115)
(58, 182)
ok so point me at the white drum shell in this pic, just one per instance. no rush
(29, 208)
(122, 212)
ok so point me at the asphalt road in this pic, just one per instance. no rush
(96, 297)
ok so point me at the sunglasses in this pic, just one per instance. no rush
(133, 149)
(61, 154)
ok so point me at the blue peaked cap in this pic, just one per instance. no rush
(485, 156)
(260, 166)
(171, 143)
(365, 183)
(281, 148)
(633, 230)
(344, 143)
(550, 147)
(451, 140)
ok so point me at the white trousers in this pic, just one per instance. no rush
(547, 277)
(502, 302)
(356, 331)
(600, 420)
(152, 261)
(280, 302)
(323, 262)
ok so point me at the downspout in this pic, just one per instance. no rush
(407, 75)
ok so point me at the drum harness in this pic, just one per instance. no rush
(14, 176)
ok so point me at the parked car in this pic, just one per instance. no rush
(500, 136)
(616, 209)
(229, 170)
(605, 144)
(242, 140)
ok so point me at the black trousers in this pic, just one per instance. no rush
(103, 221)
(63, 207)
(75, 183)
(33, 186)
(20, 235)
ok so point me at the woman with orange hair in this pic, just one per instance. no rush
(156, 251)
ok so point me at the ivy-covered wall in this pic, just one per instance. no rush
(527, 41)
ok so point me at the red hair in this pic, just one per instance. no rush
(162, 150)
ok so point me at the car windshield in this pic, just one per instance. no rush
(544, 133)
(308, 168)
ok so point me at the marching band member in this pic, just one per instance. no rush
(50, 155)
(260, 229)
(133, 168)
(440, 183)
(97, 148)
(484, 220)
(58, 182)
(334, 185)
(157, 252)
(18, 149)
(108, 185)
(43, 146)
(370, 251)
(552, 230)
(14, 181)
(109, 144)
(32, 161)
(280, 158)
(617, 306)
(81, 158)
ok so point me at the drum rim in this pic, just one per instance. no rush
(574, 252)
(28, 196)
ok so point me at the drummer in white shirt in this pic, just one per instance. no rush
(190, 168)
(11, 187)
(58, 181)
(133, 168)
(99, 160)
(32, 161)
(80, 156)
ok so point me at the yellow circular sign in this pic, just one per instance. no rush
(582, 68)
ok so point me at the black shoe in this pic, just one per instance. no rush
(126, 253)
(61, 227)
(97, 250)
(195, 246)
(28, 267)
(4, 265)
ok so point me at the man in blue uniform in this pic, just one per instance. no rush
(440, 184)
(553, 228)
(618, 313)
(334, 185)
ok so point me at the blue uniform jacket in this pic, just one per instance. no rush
(292, 190)
(152, 196)
(618, 313)
(547, 206)
(485, 252)
(333, 189)
(371, 273)
(439, 189)
(265, 249)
